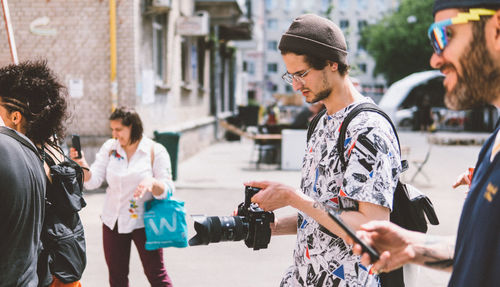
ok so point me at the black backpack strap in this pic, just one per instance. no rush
(497, 124)
(314, 123)
(23, 141)
(363, 107)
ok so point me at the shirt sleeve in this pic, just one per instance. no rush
(98, 168)
(374, 162)
(162, 170)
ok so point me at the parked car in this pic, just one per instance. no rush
(404, 97)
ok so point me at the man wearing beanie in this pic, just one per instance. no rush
(466, 41)
(315, 54)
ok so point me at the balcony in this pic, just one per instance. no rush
(230, 16)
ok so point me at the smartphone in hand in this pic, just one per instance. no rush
(374, 256)
(75, 142)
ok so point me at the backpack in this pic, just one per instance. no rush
(410, 206)
(63, 239)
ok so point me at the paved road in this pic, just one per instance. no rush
(211, 183)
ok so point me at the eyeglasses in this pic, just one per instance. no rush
(288, 78)
(439, 34)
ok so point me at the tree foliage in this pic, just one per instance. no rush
(399, 42)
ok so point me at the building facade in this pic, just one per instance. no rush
(169, 59)
(350, 15)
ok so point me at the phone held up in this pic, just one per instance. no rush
(374, 256)
(75, 142)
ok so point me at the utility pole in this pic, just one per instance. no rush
(10, 32)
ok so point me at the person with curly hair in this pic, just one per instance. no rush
(33, 108)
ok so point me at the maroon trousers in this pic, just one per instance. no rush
(117, 253)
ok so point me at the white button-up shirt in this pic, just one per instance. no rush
(123, 175)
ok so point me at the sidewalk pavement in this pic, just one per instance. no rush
(211, 183)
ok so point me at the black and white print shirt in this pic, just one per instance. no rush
(373, 167)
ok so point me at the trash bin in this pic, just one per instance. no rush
(170, 140)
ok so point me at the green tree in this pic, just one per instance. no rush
(399, 42)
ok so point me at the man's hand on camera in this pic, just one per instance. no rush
(273, 195)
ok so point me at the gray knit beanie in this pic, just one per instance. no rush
(447, 4)
(314, 35)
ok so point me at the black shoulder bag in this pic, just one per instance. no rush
(410, 206)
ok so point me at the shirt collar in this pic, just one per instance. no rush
(342, 113)
(144, 145)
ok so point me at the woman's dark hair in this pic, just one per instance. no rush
(130, 118)
(32, 89)
(319, 63)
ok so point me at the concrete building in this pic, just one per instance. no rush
(350, 15)
(170, 59)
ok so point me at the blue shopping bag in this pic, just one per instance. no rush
(165, 223)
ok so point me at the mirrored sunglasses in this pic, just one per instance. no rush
(438, 32)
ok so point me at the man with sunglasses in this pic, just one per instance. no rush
(314, 51)
(466, 41)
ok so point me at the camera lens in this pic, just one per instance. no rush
(211, 229)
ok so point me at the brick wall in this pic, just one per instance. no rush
(79, 48)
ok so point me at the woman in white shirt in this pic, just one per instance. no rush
(136, 170)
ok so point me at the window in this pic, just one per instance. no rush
(270, 5)
(184, 60)
(189, 60)
(272, 87)
(159, 38)
(289, 5)
(272, 67)
(362, 5)
(344, 5)
(344, 24)
(289, 88)
(272, 24)
(272, 45)
(361, 47)
(325, 5)
(362, 24)
(362, 67)
(201, 61)
(251, 68)
(381, 6)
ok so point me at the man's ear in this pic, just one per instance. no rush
(334, 66)
(16, 117)
(496, 26)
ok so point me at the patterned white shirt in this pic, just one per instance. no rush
(123, 175)
(373, 167)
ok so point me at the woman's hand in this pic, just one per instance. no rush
(73, 154)
(149, 184)
(146, 185)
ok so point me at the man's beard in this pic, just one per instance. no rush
(321, 95)
(324, 93)
(480, 79)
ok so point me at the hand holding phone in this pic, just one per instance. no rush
(374, 256)
(75, 142)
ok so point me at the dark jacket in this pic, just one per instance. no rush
(22, 192)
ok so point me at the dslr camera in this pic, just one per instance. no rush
(251, 224)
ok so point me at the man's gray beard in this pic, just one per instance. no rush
(480, 82)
